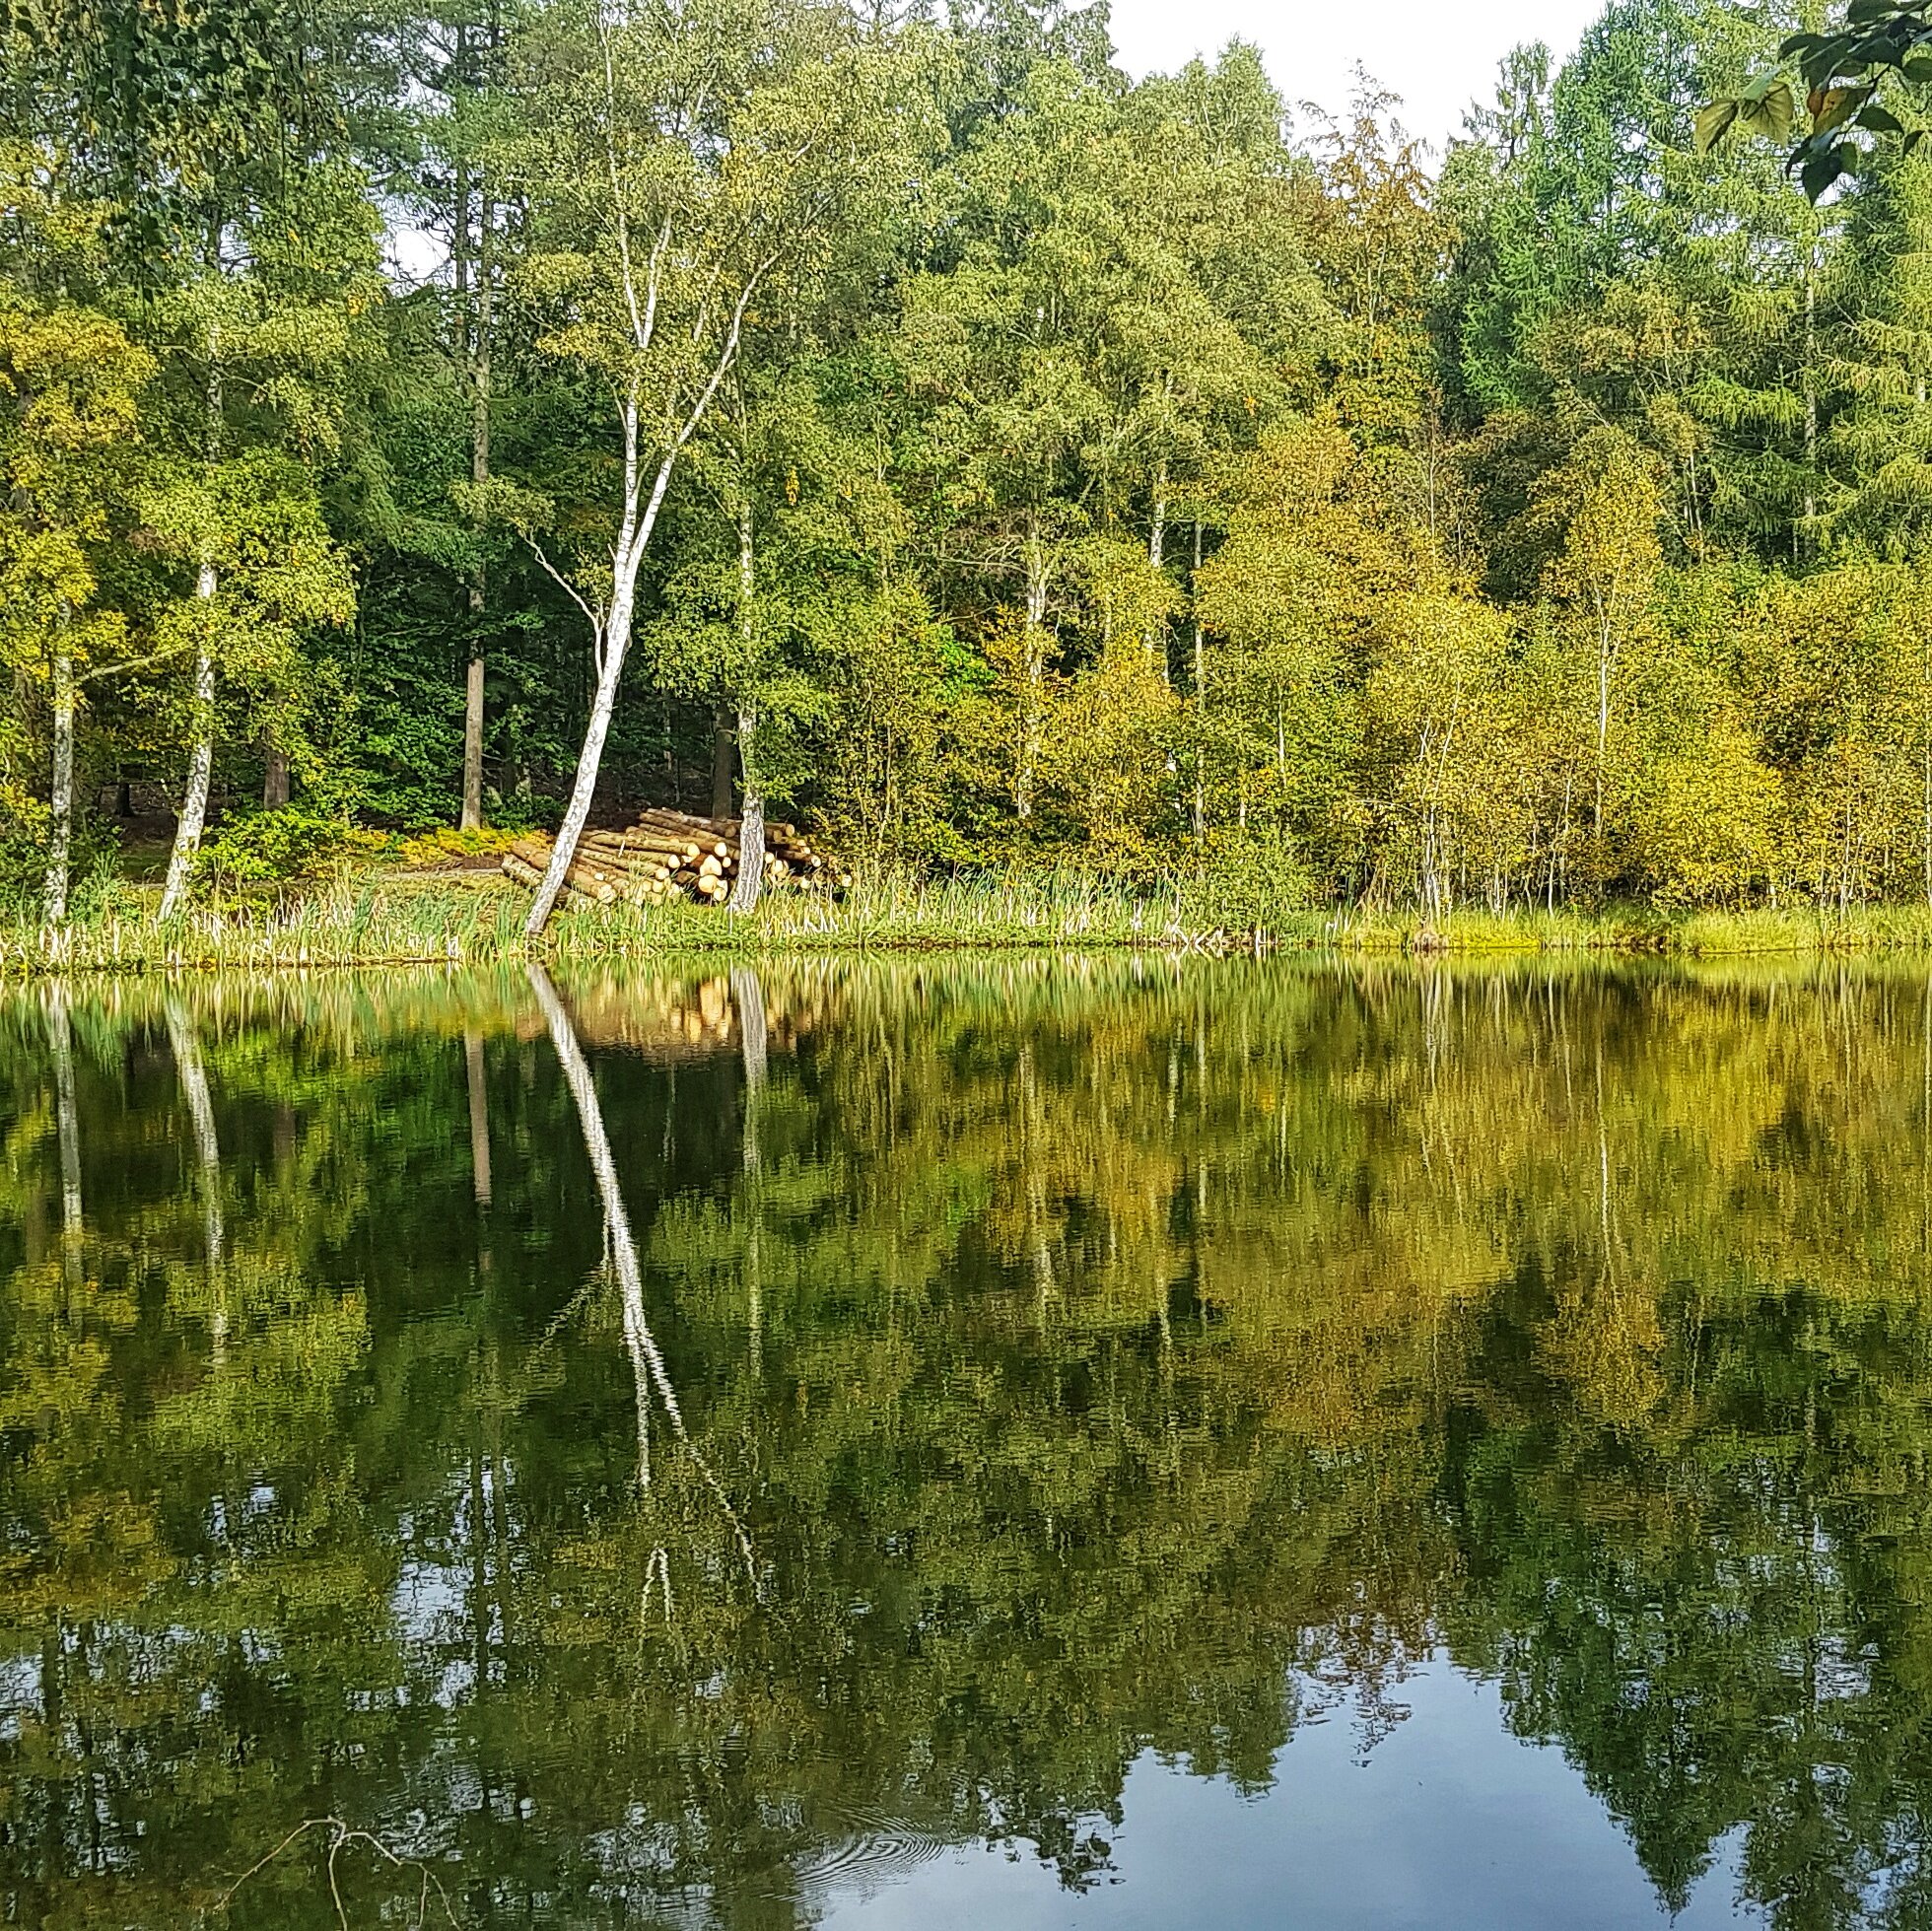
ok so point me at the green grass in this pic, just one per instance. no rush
(1633, 929)
(376, 918)
(379, 919)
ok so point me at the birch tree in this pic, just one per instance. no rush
(72, 382)
(1604, 576)
(69, 386)
(685, 166)
(267, 337)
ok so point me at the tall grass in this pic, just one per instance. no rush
(384, 919)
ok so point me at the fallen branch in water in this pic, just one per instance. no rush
(344, 1836)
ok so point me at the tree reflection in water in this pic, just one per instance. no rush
(1050, 1364)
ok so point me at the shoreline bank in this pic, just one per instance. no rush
(395, 920)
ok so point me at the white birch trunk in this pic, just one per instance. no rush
(201, 751)
(647, 1363)
(754, 1048)
(193, 1077)
(480, 1114)
(646, 1360)
(613, 630)
(67, 1119)
(201, 765)
(614, 643)
(60, 843)
(750, 880)
(472, 812)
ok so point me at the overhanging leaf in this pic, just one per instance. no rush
(1712, 124)
(1772, 115)
(1832, 107)
(1818, 172)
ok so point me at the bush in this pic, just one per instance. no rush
(24, 826)
(446, 844)
(294, 841)
(1252, 882)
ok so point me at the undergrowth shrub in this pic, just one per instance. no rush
(290, 842)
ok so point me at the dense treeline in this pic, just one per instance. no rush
(498, 410)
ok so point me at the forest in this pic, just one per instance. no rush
(479, 415)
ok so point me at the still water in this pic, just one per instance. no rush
(1048, 1444)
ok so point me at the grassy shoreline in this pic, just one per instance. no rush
(388, 919)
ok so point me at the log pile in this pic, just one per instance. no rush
(671, 855)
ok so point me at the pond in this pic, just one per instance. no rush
(1021, 1442)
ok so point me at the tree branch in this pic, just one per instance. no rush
(127, 665)
(576, 596)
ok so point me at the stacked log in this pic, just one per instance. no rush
(671, 855)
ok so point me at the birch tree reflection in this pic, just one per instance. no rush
(186, 1048)
(67, 1125)
(1574, 1323)
(648, 1368)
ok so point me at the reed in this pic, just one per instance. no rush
(382, 918)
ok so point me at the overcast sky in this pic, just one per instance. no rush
(1437, 55)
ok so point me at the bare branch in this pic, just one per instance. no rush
(728, 354)
(654, 282)
(128, 665)
(558, 577)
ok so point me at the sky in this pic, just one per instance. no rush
(1437, 55)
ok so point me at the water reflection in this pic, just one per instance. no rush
(731, 1448)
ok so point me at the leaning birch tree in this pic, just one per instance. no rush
(686, 164)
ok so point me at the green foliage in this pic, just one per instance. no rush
(1056, 470)
(274, 847)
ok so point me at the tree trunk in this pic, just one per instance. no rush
(68, 1122)
(60, 842)
(479, 472)
(473, 814)
(1200, 702)
(201, 764)
(751, 819)
(612, 633)
(274, 778)
(748, 999)
(614, 643)
(721, 765)
(647, 1364)
(1033, 669)
(193, 1077)
(1156, 546)
(1603, 736)
(751, 823)
(748, 996)
(479, 1116)
(646, 1361)
(201, 751)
